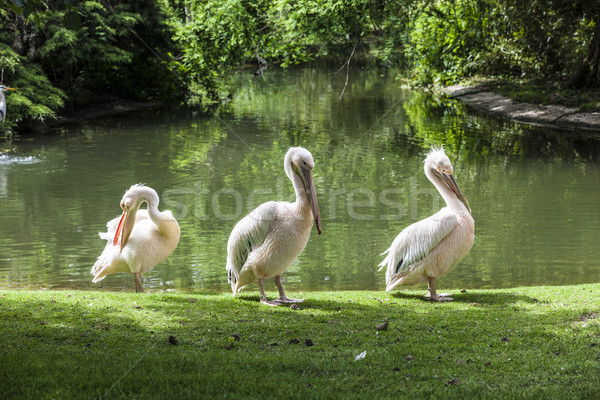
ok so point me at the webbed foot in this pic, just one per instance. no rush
(281, 301)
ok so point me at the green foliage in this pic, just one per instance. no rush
(444, 40)
(436, 41)
(309, 28)
(215, 36)
(35, 99)
(449, 40)
(74, 53)
(116, 51)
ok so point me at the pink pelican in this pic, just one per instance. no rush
(266, 241)
(139, 239)
(430, 248)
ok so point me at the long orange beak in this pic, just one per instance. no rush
(124, 228)
(119, 229)
(312, 196)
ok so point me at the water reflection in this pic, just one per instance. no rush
(534, 192)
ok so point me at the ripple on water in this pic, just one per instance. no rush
(6, 159)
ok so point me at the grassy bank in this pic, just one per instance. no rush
(536, 342)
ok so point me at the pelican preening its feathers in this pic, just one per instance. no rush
(265, 242)
(139, 239)
(430, 248)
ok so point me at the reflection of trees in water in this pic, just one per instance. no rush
(459, 127)
(528, 186)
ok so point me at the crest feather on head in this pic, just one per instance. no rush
(436, 151)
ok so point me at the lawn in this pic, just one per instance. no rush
(533, 342)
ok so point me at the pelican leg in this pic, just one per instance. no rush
(282, 297)
(433, 295)
(263, 298)
(137, 277)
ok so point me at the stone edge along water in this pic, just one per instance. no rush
(535, 114)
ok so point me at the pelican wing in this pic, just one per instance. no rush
(248, 234)
(416, 241)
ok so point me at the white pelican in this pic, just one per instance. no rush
(430, 248)
(147, 237)
(3, 102)
(266, 241)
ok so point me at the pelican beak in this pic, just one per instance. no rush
(451, 183)
(306, 176)
(124, 228)
(9, 88)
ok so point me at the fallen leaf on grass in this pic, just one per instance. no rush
(361, 356)
(410, 357)
(382, 327)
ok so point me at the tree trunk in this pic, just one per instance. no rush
(588, 74)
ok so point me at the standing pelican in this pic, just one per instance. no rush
(3, 102)
(430, 248)
(266, 241)
(147, 237)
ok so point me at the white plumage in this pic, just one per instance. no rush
(3, 102)
(265, 242)
(139, 239)
(430, 248)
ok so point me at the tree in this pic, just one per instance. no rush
(68, 53)
(588, 74)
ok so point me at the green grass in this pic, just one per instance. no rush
(535, 342)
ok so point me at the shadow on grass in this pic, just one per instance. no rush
(307, 304)
(479, 298)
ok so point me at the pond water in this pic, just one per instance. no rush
(534, 192)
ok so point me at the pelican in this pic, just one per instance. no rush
(3, 102)
(266, 241)
(139, 239)
(430, 248)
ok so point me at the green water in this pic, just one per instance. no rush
(534, 192)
